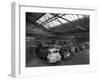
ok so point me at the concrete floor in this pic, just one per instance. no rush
(79, 58)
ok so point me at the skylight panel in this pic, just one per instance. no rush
(49, 15)
(46, 26)
(72, 17)
(75, 16)
(68, 18)
(80, 16)
(47, 22)
(62, 20)
(46, 17)
(51, 24)
(38, 21)
(42, 19)
(55, 22)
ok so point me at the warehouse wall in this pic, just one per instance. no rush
(33, 32)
